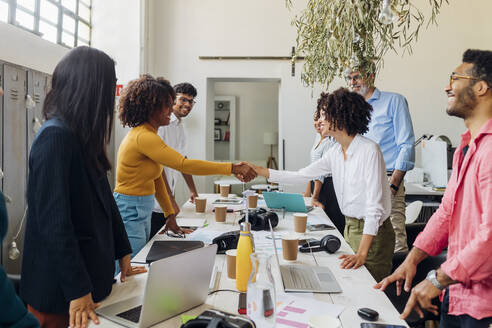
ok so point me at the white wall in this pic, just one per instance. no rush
(27, 49)
(116, 31)
(422, 76)
(183, 30)
(256, 113)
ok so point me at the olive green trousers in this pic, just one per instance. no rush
(380, 256)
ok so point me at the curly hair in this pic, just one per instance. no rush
(142, 97)
(186, 88)
(482, 64)
(346, 110)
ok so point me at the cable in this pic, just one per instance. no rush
(13, 251)
(20, 227)
(224, 290)
(311, 251)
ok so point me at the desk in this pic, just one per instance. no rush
(419, 189)
(431, 199)
(356, 284)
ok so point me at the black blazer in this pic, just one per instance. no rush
(74, 231)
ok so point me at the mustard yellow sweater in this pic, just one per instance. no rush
(142, 154)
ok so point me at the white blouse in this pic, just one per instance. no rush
(319, 148)
(360, 182)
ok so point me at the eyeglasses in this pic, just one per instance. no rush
(349, 78)
(171, 234)
(454, 76)
(186, 100)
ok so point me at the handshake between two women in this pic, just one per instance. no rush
(246, 171)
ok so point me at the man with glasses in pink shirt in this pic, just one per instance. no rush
(463, 222)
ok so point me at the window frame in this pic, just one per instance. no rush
(13, 6)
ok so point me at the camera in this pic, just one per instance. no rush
(259, 218)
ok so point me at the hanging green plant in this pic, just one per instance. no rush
(334, 35)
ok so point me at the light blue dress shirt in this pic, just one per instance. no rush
(391, 127)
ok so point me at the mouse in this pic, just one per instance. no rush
(368, 314)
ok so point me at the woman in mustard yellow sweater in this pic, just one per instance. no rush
(145, 104)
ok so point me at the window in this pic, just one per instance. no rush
(67, 22)
(4, 12)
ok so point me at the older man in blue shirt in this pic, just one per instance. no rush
(391, 127)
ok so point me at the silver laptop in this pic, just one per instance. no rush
(304, 278)
(174, 285)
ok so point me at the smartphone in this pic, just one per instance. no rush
(319, 227)
(378, 325)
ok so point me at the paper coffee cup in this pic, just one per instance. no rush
(220, 213)
(300, 221)
(224, 190)
(200, 204)
(231, 263)
(253, 201)
(290, 247)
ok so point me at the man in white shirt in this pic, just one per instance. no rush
(174, 136)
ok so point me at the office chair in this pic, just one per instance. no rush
(412, 211)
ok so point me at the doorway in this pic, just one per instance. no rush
(243, 120)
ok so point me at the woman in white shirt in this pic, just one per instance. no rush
(359, 177)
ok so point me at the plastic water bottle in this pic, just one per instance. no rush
(261, 296)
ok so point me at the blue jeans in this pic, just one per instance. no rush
(136, 212)
(460, 321)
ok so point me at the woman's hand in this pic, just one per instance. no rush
(193, 195)
(259, 170)
(243, 171)
(352, 261)
(357, 260)
(315, 202)
(82, 310)
(172, 225)
(127, 269)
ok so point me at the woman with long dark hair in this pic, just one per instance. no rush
(74, 232)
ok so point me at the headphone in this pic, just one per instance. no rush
(328, 243)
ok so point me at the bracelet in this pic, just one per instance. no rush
(394, 187)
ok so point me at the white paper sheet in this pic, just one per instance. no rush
(182, 222)
(296, 311)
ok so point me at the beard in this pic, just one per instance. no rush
(363, 90)
(181, 111)
(464, 104)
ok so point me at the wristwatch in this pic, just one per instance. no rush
(394, 187)
(431, 276)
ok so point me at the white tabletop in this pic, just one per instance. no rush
(419, 189)
(357, 285)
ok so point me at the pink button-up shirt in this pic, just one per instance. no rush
(463, 223)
